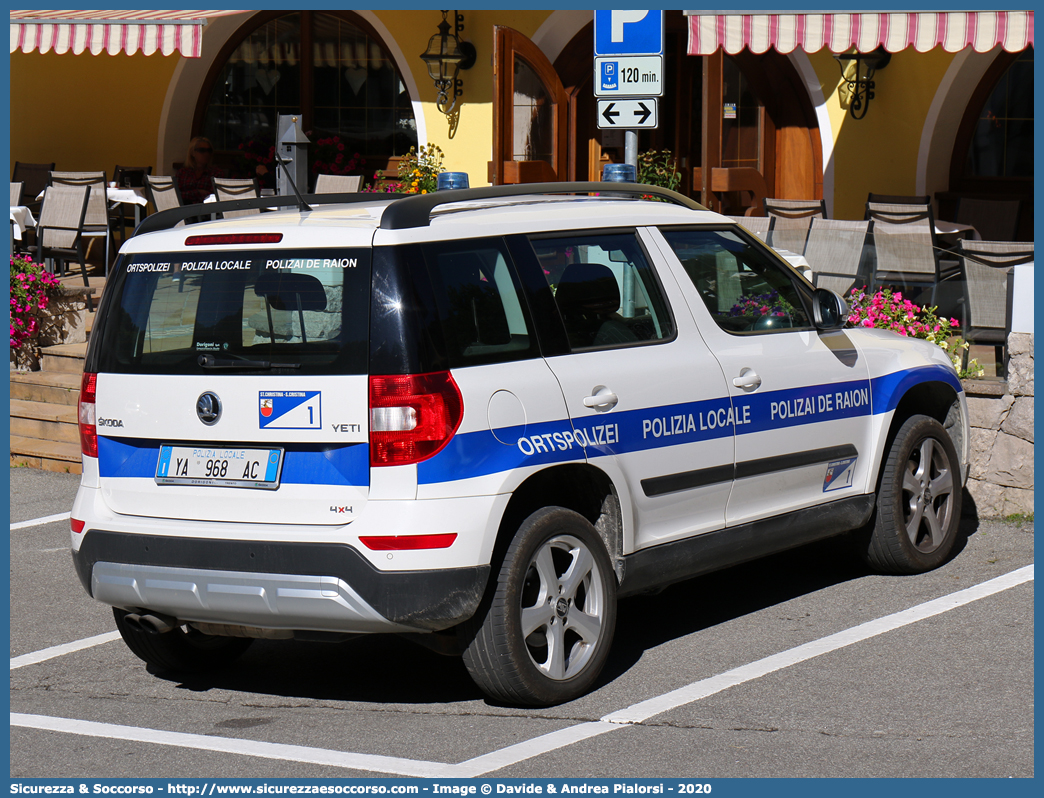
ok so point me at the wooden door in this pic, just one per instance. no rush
(530, 113)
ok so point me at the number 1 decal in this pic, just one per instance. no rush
(290, 410)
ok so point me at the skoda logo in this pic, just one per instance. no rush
(208, 408)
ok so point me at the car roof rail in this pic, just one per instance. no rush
(415, 209)
(164, 220)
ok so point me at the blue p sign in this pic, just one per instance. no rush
(628, 32)
(609, 76)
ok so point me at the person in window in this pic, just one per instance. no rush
(196, 176)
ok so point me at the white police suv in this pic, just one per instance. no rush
(480, 417)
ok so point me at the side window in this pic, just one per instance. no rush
(479, 303)
(745, 289)
(605, 290)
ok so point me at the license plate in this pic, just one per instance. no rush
(230, 467)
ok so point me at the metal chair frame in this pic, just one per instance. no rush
(70, 220)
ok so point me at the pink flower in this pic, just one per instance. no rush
(954, 323)
(867, 323)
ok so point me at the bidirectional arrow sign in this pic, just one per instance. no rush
(630, 113)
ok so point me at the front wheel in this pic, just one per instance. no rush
(918, 502)
(544, 635)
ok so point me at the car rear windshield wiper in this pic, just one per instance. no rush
(211, 362)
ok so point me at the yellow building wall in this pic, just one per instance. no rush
(468, 148)
(87, 112)
(110, 106)
(106, 109)
(879, 152)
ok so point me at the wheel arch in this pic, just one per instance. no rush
(936, 399)
(580, 487)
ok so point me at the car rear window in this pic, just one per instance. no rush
(182, 313)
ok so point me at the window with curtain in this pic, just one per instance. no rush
(1002, 142)
(327, 67)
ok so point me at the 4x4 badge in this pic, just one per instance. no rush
(208, 408)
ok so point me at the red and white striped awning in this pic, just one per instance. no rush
(111, 32)
(953, 31)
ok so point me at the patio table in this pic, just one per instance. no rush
(951, 231)
(21, 218)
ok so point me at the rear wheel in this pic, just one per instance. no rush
(544, 635)
(182, 649)
(918, 502)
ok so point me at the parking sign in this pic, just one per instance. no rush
(628, 32)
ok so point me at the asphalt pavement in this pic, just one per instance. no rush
(949, 694)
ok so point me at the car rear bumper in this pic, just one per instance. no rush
(273, 585)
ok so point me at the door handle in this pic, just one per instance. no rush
(748, 379)
(601, 398)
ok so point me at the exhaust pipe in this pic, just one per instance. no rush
(151, 623)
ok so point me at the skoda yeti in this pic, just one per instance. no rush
(479, 418)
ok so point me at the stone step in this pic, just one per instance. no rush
(75, 280)
(56, 388)
(45, 421)
(46, 455)
(64, 358)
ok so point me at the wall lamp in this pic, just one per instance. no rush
(445, 57)
(861, 86)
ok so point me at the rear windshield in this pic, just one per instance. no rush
(241, 312)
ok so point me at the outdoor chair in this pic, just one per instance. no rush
(758, 225)
(835, 251)
(987, 270)
(227, 188)
(16, 194)
(994, 220)
(60, 228)
(906, 253)
(131, 176)
(34, 178)
(125, 177)
(96, 222)
(163, 192)
(337, 184)
(897, 199)
(790, 221)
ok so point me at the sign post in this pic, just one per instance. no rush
(628, 75)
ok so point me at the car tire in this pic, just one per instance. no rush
(918, 501)
(544, 632)
(183, 649)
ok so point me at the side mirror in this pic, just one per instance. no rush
(830, 311)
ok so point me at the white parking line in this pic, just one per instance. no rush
(62, 650)
(644, 710)
(226, 745)
(47, 519)
(501, 758)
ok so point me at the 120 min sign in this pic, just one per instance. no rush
(629, 76)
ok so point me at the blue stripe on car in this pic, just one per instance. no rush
(302, 464)
(477, 454)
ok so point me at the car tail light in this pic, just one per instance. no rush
(408, 542)
(87, 416)
(77, 525)
(412, 416)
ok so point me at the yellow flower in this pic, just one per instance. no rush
(424, 191)
(415, 182)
